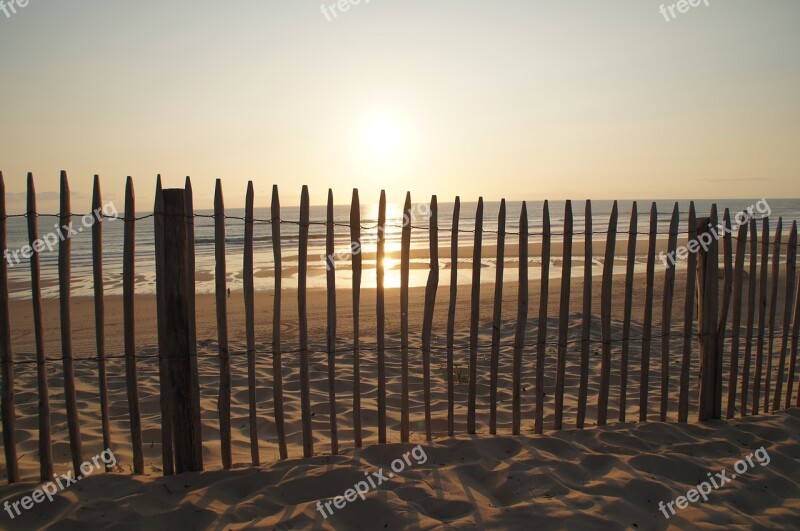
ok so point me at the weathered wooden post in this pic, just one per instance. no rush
(64, 291)
(99, 312)
(129, 332)
(174, 334)
(430, 303)
(710, 401)
(6, 355)
(45, 439)
(221, 290)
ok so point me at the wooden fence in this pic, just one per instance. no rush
(712, 304)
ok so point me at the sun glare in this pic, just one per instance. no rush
(390, 263)
(383, 136)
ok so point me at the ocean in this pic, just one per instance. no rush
(82, 283)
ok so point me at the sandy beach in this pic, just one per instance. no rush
(597, 475)
(602, 478)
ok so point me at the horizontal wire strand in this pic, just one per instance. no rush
(346, 347)
(262, 221)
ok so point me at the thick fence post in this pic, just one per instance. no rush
(173, 307)
(710, 401)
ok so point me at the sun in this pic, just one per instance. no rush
(383, 136)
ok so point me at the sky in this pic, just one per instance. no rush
(518, 99)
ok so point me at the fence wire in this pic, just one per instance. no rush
(366, 228)
(343, 348)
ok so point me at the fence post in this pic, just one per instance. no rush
(190, 282)
(633, 226)
(277, 371)
(302, 310)
(129, 332)
(430, 303)
(586, 321)
(220, 291)
(173, 307)
(356, 259)
(45, 439)
(647, 330)
(563, 317)
(405, 261)
(541, 333)
(605, 317)
(475, 305)
(710, 401)
(250, 320)
(6, 356)
(451, 315)
(380, 312)
(99, 312)
(497, 316)
(64, 290)
(522, 320)
(330, 266)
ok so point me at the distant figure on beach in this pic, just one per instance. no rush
(229, 293)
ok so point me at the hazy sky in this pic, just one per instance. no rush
(520, 99)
